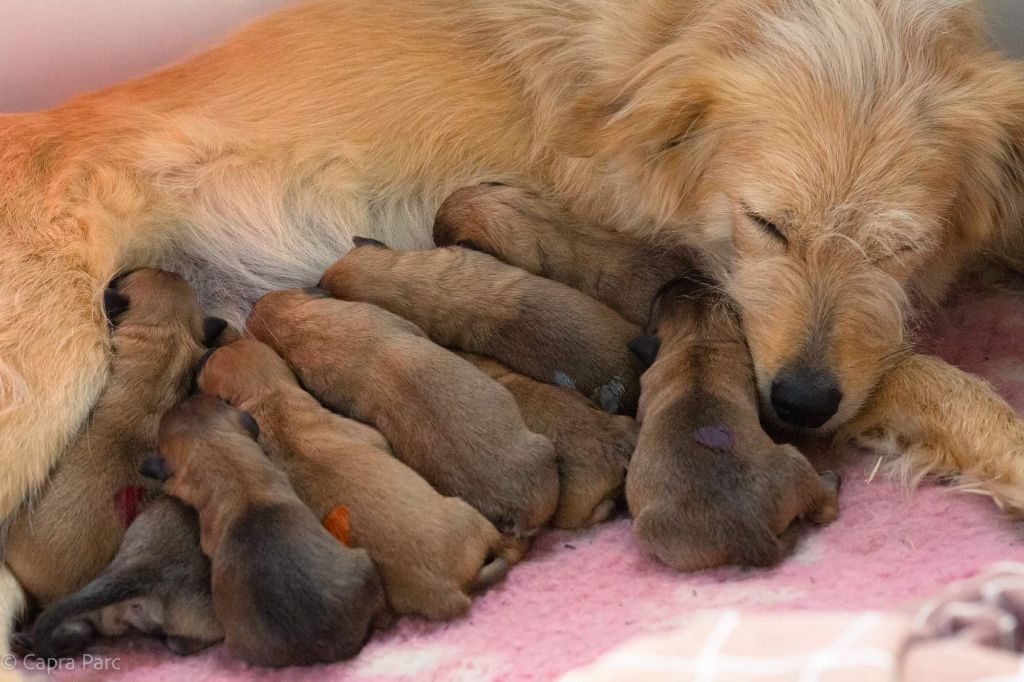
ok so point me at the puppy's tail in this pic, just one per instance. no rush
(491, 573)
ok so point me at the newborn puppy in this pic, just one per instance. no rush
(593, 447)
(65, 537)
(538, 234)
(159, 584)
(285, 590)
(706, 486)
(468, 300)
(430, 550)
(446, 419)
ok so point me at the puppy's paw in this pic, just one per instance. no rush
(715, 501)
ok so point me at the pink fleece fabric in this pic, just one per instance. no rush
(579, 594)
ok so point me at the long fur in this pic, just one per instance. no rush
(250, 167)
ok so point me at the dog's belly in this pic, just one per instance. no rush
(240, 245)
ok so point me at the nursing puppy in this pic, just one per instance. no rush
(538, 234)
(444, 418)
(63, 539)
(471, 301)
(706, 486)
(285, 590)
(158, 584)
(430, 550)
(593, 447)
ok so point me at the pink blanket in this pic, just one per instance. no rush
(579, 595)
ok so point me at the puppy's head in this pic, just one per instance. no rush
(204, 446)
(243, 371)
(506, 222)
(153, 297)
(835, 159)
(277, 312)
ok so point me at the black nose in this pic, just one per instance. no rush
(805, 397)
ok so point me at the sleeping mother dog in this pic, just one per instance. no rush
(837, 163)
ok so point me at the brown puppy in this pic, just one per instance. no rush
(538, 234)
(285, 590)
(593, 447)
(158, 584)
(430, 550)
(444, 418)
(471, 301)
(65, 537)
(706, 486)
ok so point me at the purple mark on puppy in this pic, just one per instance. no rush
(716, 437)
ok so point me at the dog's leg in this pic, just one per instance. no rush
(53, 362)
(933, 418)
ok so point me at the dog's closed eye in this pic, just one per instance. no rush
(767, 226)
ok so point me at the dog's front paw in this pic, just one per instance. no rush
(930, 418)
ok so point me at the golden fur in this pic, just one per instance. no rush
(883, 137)
(447, 420)
(285, 590)
(430, 550)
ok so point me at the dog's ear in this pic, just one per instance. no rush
(367, 241)
(114, 304)
(213, 327)
(155, 466)
(250, 424)
(985, 122)
(660, 106)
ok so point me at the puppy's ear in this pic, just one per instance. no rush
(213, 327)
(367, 241)
(155, 466)
(694, 285)
(645, 348)
(114, 304)
(249, 422)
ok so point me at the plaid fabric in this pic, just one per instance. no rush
(974, 631)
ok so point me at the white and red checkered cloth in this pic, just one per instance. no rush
(973, 631)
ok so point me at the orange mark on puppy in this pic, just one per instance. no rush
(337, 524)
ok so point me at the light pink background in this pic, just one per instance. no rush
(51, 49)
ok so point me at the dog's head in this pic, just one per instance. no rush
(836, 160)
